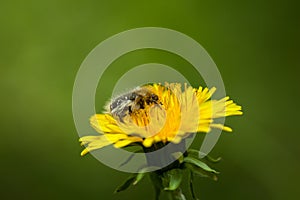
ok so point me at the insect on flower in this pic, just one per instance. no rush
(131, 102)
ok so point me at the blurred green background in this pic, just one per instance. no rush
(42, 44)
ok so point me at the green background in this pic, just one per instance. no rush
(42, 44)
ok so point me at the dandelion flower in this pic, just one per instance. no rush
(156, 113)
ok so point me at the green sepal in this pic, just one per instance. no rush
(178, 156)
(131, 156)
(129, 181)
(200, 172)
(172, 179)
(213, 160)
(142, 173)
(199, 164)
(133, 179)
(196, 153)
(138, 178)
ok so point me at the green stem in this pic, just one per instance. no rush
(191, 179)
(157, 184)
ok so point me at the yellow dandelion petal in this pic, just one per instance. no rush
(222, 127)
(176, 140)
(97, 142)
(84, 152)
(129, 140)
(148, 142)
(105, 123)
(204, 128)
